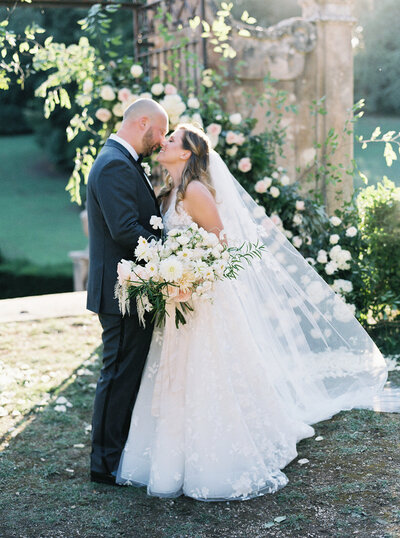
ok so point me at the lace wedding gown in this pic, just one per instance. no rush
(222, 404)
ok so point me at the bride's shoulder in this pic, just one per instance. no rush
(197, 190)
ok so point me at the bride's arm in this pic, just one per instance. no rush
(199, 203)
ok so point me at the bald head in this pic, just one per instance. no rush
(143, 107)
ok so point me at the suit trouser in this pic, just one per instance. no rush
(126, 345)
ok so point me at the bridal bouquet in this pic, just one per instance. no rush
(183, 267)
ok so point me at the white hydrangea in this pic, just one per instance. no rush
(342, 286)
(331, 267)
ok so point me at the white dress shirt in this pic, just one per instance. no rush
(131, 150)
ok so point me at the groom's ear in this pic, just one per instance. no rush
(144, 122)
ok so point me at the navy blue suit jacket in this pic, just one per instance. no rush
(120, 203)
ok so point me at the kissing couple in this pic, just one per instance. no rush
(212, 409)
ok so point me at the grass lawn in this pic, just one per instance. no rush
(370, 160)
(351, 485)
(37, 221)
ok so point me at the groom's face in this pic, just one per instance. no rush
(154, 136)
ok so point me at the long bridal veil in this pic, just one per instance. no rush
(321, 360)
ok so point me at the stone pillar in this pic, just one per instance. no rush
(332, 70)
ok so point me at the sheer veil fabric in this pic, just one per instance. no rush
(224, 399)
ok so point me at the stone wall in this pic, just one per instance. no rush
(311, 58)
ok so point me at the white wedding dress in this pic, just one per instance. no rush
(225, 398)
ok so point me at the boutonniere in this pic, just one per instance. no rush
(146, 168)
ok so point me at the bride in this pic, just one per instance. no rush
(225, 398)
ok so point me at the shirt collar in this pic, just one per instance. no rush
(126, 145)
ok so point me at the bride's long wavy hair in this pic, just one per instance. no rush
(197, 166)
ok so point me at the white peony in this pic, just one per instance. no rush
(157, 89)
(274, 192)
(335, 221)
(118, 110)
(107, 93)
(352, 231)
(236, 118)
(136, 71)
(103, 114)
(334, 239)
(171, 269)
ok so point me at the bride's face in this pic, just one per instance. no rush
(172, 151)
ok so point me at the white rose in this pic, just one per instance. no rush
(157, 89)
(300, 205)
(87, 86)
(258, 212)
(235, 119)
(145, 95)
(351, 232)
(331, 268)
(288, 233)
(136, 71)
(285, 180)
(196, 118)
(297, 219)
(274, 192)
(268, 181)
(193, 102)
(297, 241)
(275, 175)
(107, 93)
(322, 256)
(335, 221)
(103, 114)
(311, 261)
(334, 239)
(244, 164)
(118, 110)
(260, 187)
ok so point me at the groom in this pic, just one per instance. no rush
(120, 202)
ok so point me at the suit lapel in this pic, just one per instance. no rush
(139, 168)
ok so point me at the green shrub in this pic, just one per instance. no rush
(379, 208)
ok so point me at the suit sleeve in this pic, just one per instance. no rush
(118, 199)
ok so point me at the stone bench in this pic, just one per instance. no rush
(80, 259)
